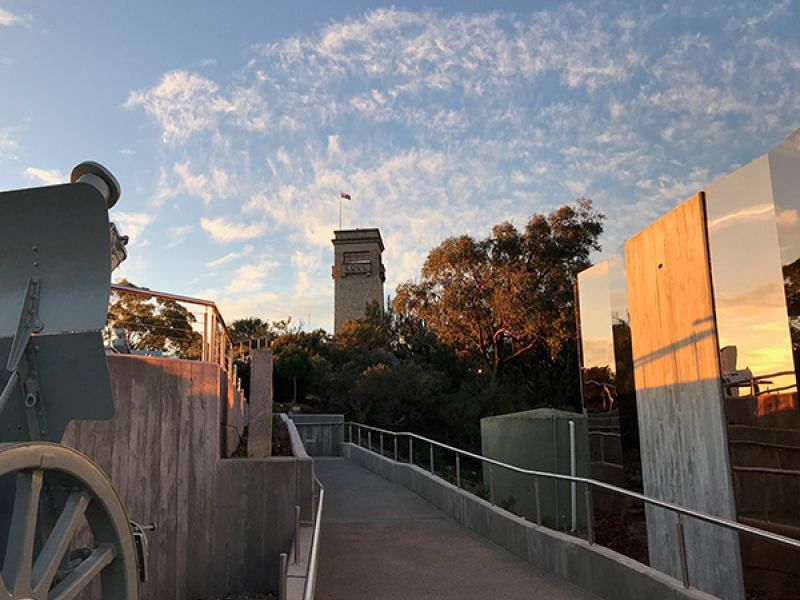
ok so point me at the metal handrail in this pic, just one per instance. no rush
(311, 577)
(590, 484)
(217, 339)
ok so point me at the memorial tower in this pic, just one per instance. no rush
(358, 273)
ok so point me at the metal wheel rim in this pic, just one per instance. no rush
(29, 575)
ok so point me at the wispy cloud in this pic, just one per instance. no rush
(251, 277)
(229, 258)
(222, 230)
(182, 103)
(7, 18)
(177, 235)
(8, 144)
(182, 179)
(45, 176)
(133, 225)
(442, 123)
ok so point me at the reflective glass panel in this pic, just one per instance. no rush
(623, 360)
(754, 243)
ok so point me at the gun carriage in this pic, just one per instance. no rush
(63, 531)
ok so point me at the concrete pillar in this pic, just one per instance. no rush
(259, 439)
(682, 428)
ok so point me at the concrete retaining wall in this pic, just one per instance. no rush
(321, 434)
(221, 523)
(594, 568)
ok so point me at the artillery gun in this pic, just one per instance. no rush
(64, 532)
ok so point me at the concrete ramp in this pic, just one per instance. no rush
(381, 541)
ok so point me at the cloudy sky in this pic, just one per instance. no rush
(233, 126)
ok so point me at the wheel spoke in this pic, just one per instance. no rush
(84, 573)
(46, 565)
(19, 551)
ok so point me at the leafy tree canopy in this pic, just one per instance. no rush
(155, 324)
(503, 297)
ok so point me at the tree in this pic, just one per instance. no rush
(250, 328)
(370, 331)
(291, 363)
(498, 299)
(159, 324)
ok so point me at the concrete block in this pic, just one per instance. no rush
(259, 437)
(321, 433)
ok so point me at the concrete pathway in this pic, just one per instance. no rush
(380, 541)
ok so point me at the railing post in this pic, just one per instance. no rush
(682, 551)
(538, 500)
(351, 432)
(369, 439)
(458, 470)
(589, 514)
(410, 450)
(358, 429)
(430, 454)
(296, 533)
(573, 487)
(491, 484)
(205, 335)
(381, 443)
(395, 448)
(282, 576)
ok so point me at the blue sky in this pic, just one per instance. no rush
(233, 126)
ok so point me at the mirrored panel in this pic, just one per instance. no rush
(598, 378)
(610, 403)
(623, 377)
(754, 244)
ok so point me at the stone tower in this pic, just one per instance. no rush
(358, 273)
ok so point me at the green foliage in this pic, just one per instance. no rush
(293, 361)
(250, 328)
(509, 504)
(371, 331)
(499, 299)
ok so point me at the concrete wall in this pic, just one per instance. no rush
(321, 434)
(259, 436)
(233, 415)
(221, 523)
(536, 440)
(594, 568)
(684, 446)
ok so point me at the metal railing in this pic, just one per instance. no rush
(313, 558)
(310, 583)
(588, 485)
(217, 342)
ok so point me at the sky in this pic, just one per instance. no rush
(234, 126)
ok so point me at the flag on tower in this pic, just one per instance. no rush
(344, 195)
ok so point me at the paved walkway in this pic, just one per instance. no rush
(380, 541)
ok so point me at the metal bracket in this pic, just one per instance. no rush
(142, 548)
(29, 324)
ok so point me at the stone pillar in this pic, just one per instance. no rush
(259, 439)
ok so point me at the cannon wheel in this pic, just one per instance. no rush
(61, 486)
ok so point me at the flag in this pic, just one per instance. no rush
(344, 195)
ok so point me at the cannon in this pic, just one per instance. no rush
(64, 532)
